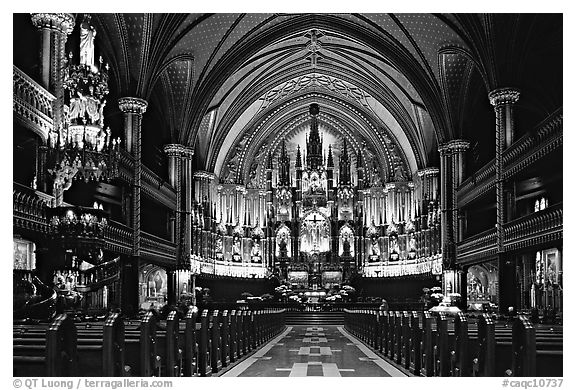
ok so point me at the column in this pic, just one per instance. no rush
(133, 109)
(180, 176)
(452, 172)
(503, 100)
(54, 30)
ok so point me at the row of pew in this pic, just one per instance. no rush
(432, 344)
(201, 344)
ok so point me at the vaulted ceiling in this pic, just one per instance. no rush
(392, 85)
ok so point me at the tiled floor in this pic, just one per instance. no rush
(314, 351)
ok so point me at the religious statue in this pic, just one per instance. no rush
(375, 247)
(236, 245)
(394, 247)
(219, 245)
(87, 35)
(256, 251)
(412, 243)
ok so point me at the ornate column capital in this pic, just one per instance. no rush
(428, 172)
(61, 22)
(502, 96)
(204, 175)
(132, 105)
(178, 150)
(456, 145)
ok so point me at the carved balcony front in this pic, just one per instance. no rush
(531, 231)
(31, 104)
(543, 140)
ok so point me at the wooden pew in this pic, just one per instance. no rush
(523, 347)
(113, 348)
(190, 363)
(61, 347)
(224, 320)
(214, 326)
(233, 338)
(415, 343)
(204, 366)
(173, 353)
(460, 364)
(426, 345)
(405, 344)
(149, 359)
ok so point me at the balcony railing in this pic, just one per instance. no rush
(481, 245)
(156, 188)
(29, 211)
(529, 231)
(534, 229)
(152, 184)
(118, 237)
(424, 266)
(157, 248)
(546, 138)
(226, 268)
(32, 103)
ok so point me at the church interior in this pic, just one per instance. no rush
(383, 193)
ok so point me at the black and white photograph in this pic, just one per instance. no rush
(287, 195)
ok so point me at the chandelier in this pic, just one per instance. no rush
(81, 147)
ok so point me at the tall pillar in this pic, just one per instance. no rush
(503, 100)
(133, 109)
(180, 176)
(452, 171)
(54, 30)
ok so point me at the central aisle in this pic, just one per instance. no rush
(314, 351)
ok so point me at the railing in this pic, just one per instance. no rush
(479, 246)
(531, 147)
(157, 248)
(423, 266)
(29, 211)
(32, 103)
(533, 229)
(152, 184)
(240, 270)
(118, 237)
(156, 188)
(546, 137)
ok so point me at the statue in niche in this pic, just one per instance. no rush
(399, 174)
(394, 247)
(219, 247)
(375, 249)
(236, 245)
(376, 179)
(253, 175)
(255, 253)
(283, 248)
(412, 243)
(346, 247)
(230, 175)
(87, 36)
